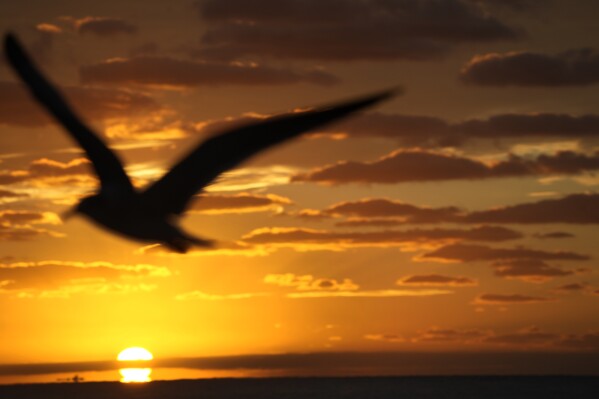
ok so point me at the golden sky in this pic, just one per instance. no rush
(461, 216)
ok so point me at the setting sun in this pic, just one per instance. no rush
(135, 374)
(134, 353)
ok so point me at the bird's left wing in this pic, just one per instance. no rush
(171, 194)
(106, 164)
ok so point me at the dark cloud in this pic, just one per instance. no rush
(22, 217)
(436, 280)
(588, 341)
(361, 222)
(554, 235)
(516, 5)
(344, 30)
(527, 337)
(321, 238)
(12, 194)
(104, 26)
(508, 299)
(18, 108)
(15, 225)
(572, 287)
(25, 233)
(573, 209)
(412, 166)
(474, 253)
(237, 203)
(577, 67)
(383, 207)
(532, 270)
(170, 72)
(430, 132)
(576, 209)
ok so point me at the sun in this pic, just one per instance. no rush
(135, 355)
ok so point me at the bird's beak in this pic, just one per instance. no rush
(69, 213)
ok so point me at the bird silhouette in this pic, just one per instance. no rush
(152, 215)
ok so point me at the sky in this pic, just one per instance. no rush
(460, 217)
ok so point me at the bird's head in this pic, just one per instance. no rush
(86, 206)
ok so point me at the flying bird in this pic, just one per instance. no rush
(153, 214)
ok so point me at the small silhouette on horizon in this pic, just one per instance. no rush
(75, 379)
(152, 215)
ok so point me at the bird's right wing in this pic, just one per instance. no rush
(171, 194)
(106, 164)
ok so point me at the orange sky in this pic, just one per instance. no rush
(460, 216)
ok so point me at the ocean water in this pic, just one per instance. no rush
(550, 387)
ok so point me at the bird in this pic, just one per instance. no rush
(153, 214)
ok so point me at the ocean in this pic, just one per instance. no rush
(492, 387)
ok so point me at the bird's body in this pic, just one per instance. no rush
(152, 215)
(130, 218)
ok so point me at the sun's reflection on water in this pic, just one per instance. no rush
(129, 375)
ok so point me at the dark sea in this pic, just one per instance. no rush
(525, 387)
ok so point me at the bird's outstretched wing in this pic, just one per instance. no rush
(106, 164)
(171, 194)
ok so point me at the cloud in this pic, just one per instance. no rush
(7, 194)
(387, 208)
(199, 295)
(237, 203)
(554, 234)
(368, 294)
(222, 248)
(531, 336)
(474, 253)
(104, 26)
(436, 280)
(430, 132)
(23, 218)
(588, 341)
(311, 287)
(572, 209)
(576, 67)
(45, 171)
(60, 279)
(413, 166)
(572, 287)
(311, 29)
(385, 337)
(436, 334)
(508, 299)
(18, 109)
(311, 239)
(531, 270)
(169, 72)
(25, 233)
(575, 209)
(310, 283)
